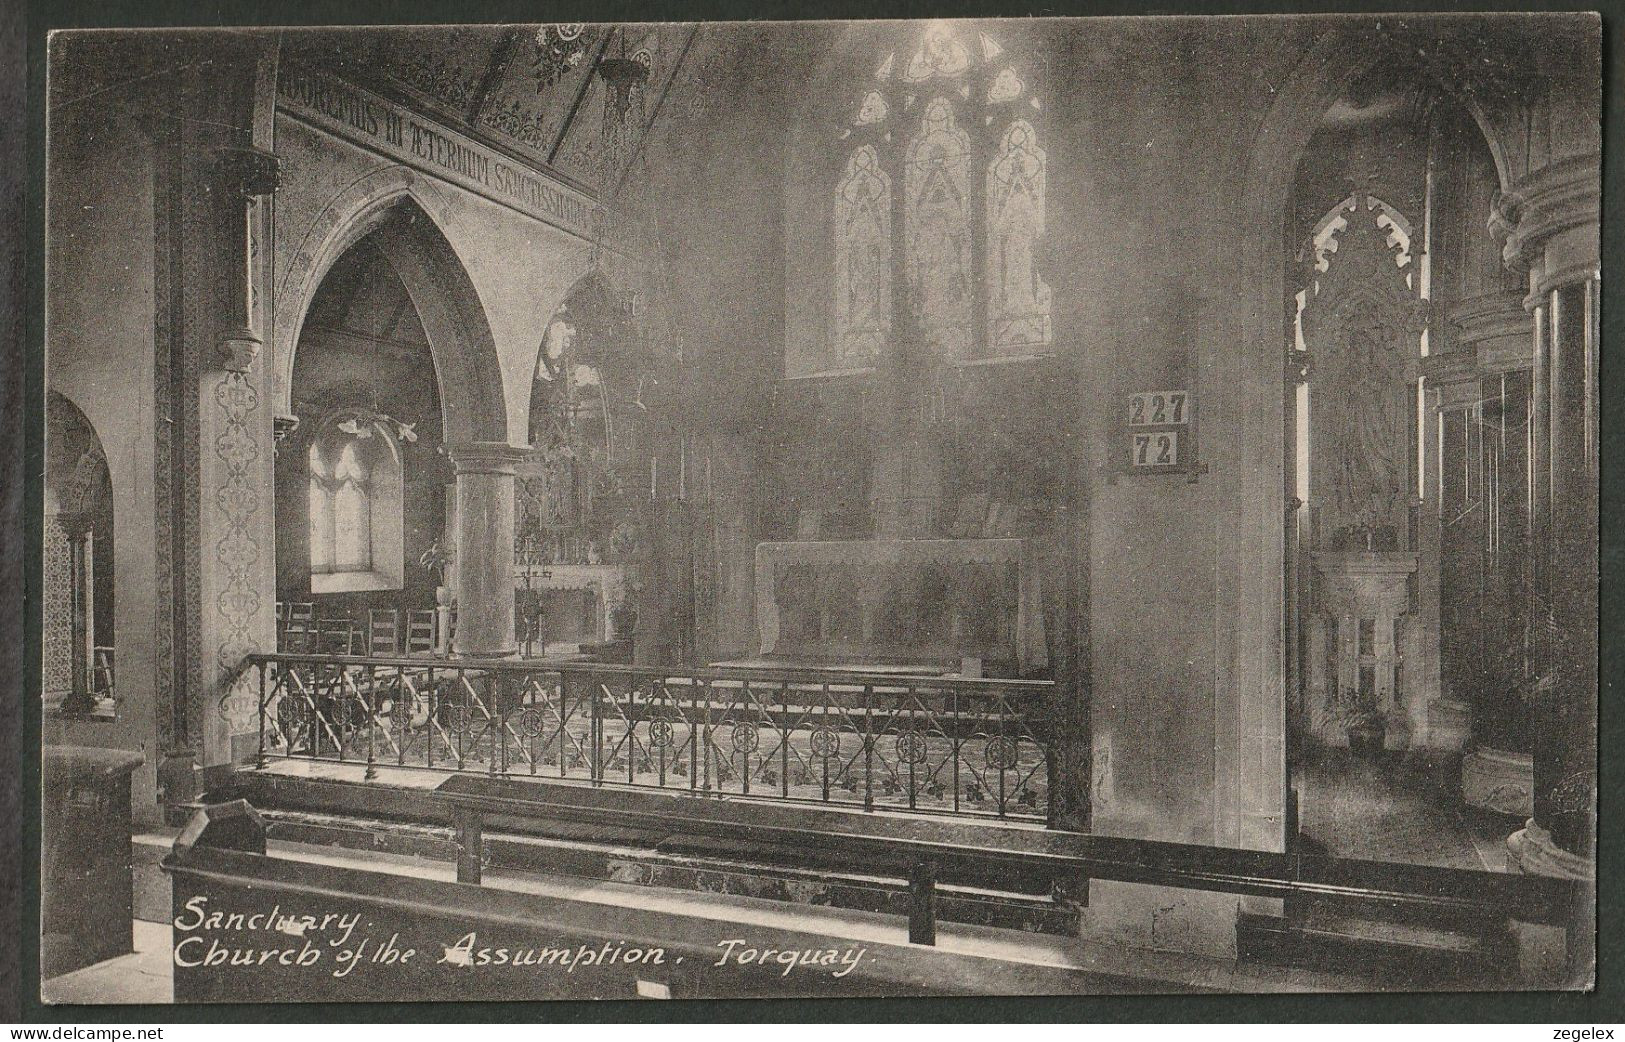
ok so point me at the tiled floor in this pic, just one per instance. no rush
(143, 976)
(1394, 811)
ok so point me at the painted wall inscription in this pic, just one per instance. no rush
(333, 105)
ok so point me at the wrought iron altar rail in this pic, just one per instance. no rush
(945, 745)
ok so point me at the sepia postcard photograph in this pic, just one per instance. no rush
(1060, 506)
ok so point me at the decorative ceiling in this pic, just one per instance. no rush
(528, 89)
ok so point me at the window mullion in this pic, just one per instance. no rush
(892, 156)
(984, 141)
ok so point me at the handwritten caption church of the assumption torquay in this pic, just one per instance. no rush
(337, 942)
(335, 105)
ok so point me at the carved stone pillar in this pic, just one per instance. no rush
(1452, 383)
(485, 498)
(246, 175)
(215, 587)
(1550, 223)
(235, 462)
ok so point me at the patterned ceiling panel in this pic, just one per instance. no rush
(528, 87)
(581, 153)
(443, 65)
(533, 92)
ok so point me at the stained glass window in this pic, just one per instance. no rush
(941, 54)
(938, 211)
(862, 259)
(1018, 299)
(945, 132)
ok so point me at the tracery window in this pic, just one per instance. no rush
(862, 258)
(938, 214)
(946, 133)
(355, 509)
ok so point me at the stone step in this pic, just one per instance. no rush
(1390, 955)
(625, 855)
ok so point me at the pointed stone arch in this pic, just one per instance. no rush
(77, 568)
(393, 206)
(1248, 407)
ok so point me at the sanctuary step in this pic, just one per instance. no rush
(1390, 954)
(660, 858)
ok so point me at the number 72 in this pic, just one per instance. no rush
(1160, 449)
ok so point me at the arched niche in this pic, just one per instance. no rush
(387, 209)
(1251, 408)
(592, 365)
(361, 481)
(1370, 187)
(582, 496)
(78, 637)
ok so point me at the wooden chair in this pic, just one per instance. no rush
(384, 632)
(336, 636)
(420, 633)
(299, 627)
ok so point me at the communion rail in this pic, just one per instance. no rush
(944, 745)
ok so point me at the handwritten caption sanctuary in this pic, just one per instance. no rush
(339, 942)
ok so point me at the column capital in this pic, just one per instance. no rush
(1489, 316)
(1572, 268)
(236, 350)
(1560, 197)
(1454, 377)
(484, 457)
(76, 523)
(283, 426)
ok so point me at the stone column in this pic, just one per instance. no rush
(235, 463)
(82, 605)
(485, 496)
(1550, 222)
(1483, 397)
(1452, 384)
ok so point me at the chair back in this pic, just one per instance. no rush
(420, 632)
(298, 630)
(384, 632)
(336, 636)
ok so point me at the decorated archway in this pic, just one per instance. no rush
(78, 635)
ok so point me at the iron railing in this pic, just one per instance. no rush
(944, 745)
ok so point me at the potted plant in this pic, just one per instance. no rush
(436, 560)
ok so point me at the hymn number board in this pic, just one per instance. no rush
(1159, 431)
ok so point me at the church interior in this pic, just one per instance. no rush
(1088, 514)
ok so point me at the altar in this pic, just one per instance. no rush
(931, 605)
(577, 602)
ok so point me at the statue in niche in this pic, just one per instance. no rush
(1363, 322)
(1364, 406)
